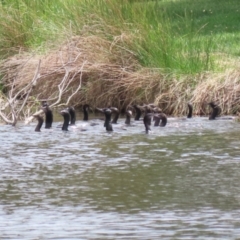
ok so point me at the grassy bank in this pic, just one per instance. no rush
(179, 35)
(166, 48)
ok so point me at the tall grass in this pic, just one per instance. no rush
(179, 36)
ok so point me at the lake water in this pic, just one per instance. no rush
(178, 182)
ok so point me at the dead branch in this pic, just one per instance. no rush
(11, 100)
(62, 89)
(79, 85)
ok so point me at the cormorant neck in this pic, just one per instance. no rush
(149, 117)
(157, 121)
(72, 115)
(85, 113)
(215, 111)
(107, 123)
(115, 117)
(65, 125)
(48, 118)
(190, 110)
(146, 121)
(108, 126)
(40, 123)
(128, 120)
(128, 117)
(162, 117)
(138, 113)
(213, 114)
(163, 120)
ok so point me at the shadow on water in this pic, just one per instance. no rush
(180, 181)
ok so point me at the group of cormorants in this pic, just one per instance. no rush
(150, 113)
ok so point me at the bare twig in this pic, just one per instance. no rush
(79, 85)
(11, 100)
(62, 89)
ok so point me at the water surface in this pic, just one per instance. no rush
(178, 182)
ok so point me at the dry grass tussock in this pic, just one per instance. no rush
(222, 88)
(110, 74)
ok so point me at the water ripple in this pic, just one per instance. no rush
(178, 182)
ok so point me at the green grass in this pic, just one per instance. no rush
(183, 36)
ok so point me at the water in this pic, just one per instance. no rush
(178, 182)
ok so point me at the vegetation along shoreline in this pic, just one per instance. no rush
(119, 53)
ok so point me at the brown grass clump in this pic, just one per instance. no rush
(222, 88)
(111, 75)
